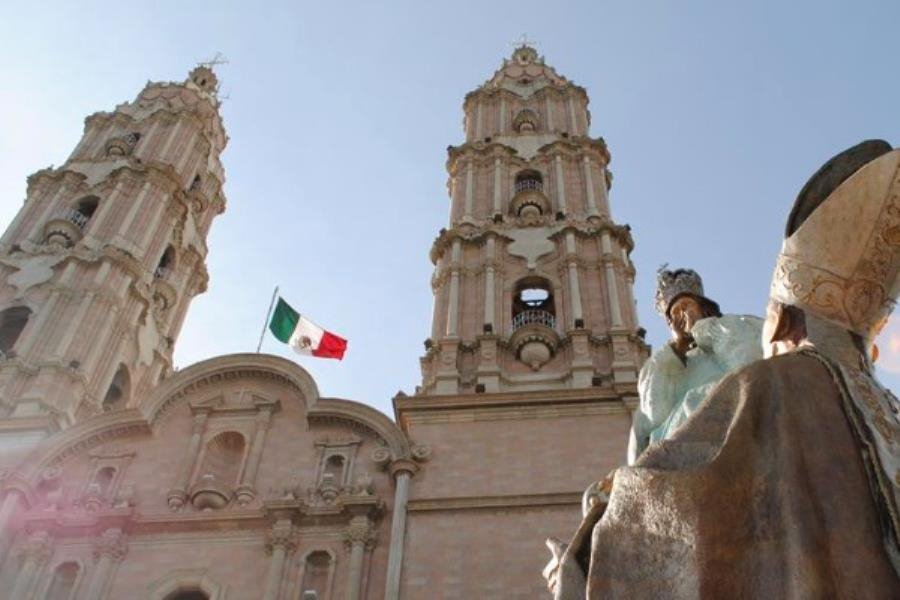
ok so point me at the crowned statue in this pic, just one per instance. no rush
(706, 345)
(783, 482)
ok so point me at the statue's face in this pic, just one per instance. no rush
(683, 313)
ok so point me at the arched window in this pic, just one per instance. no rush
(166, 263)
(12, 322)
(62, 586)
(334, 470)
(104, 479)
(188, 595)
(529, 179)
(533, 303)
(223, 457)
(85, 209)
(316, 575)
(119, 389)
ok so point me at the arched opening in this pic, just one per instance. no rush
(85, 209)
(194, 594)
(533, 303)
(104, 480)
(316, 573)
(223, 457)
(62, 586)
(12, 323)
(166, 263)
(529, 179)
(526, 121)
(334, 470)
(119, 389)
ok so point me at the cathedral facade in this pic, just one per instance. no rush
(233, 478)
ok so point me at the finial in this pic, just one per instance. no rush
(203, 75)
(524, 51)
(523, 42)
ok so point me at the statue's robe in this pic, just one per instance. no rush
(764, 493)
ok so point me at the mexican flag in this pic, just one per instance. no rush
(304, 336)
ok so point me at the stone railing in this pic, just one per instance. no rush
(73, 216)
(534, 317)
(524, 185)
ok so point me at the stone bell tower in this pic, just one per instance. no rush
(102, 261)
(533, 281)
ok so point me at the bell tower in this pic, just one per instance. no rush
(533, 281)
(102, 261)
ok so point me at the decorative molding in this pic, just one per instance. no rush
(523, 501)
(110, 544)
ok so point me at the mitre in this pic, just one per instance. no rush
(842, 262)
(672, 284)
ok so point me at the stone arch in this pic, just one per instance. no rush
(13, 321)
(62, 580)
(324, 579)
(231, 366)
(186, 580)
(365, 417)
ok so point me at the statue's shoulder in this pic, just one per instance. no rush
(798, 368)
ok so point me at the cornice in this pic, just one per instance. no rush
(510, 501)
(404, 404)
(476, 232)
(484, 152)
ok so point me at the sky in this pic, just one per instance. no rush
(339, 115)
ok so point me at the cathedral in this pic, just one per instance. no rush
(233, 478)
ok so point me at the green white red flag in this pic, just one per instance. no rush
(304, 336)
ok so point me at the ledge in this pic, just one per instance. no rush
(495, 502)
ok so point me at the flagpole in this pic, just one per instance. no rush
(262, 334)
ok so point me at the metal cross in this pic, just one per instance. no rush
(523, 41)
(218, 59)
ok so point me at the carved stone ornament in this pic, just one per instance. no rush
(110, 544)
(421, 453)
(32, 271)
(381, 456)
(37, 548)
(282, 536)
(359, 531)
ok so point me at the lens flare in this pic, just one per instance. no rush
(888, 342)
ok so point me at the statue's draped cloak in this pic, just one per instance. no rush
(764, 493)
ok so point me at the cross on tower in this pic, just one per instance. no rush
(524, 41)
(218, 59)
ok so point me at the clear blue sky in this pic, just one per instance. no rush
(340, 113)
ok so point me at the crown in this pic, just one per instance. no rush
(671, 284)
(842, 263)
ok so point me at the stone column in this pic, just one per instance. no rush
(281, 543)
(589, 188)
(246, 491)
(33, 555)
(572, 121)
(478, 120)
(358, 536)
(560, 184)
(498, 199)
(502, 116)
(470, 184)
(489, 281)
(612, 286)
(178, 495)
(109, 549)
(403, 472)
(13, 503)
(453, 304)
(574, 287)
(548, 105)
